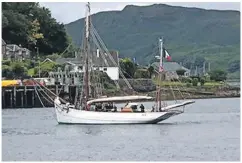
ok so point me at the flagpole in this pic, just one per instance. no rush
(160, 74)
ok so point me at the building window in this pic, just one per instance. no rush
(105, 69)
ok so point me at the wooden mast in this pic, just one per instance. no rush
(160, 73)
(87, 32)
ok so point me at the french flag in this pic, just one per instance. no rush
(166, 55)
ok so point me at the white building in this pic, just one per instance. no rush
(100, 63)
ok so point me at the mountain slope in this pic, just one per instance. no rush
(191, 35)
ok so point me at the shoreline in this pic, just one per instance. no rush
(26, 97)
(146, 101)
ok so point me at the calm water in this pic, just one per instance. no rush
(210, 130)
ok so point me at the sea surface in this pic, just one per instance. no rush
(208, 131)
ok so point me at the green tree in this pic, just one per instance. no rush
(34, 34)
(141, 73)
(151, 71)
(46, 67)
(218, 75)
(18, 68)
(127, 67)
(202, 81)
(180, 72)
(195, 82)
(30, 25)
(7, 71)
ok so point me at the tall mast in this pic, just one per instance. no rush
(160, 73)
(87, 32)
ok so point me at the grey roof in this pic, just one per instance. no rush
(97, 61)
(170, 66)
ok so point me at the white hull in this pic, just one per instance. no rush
(74, 116)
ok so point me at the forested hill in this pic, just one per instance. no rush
(29, 24)
(191, 35)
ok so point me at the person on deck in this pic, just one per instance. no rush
(126, 104)
(160, 109)
(114, 108)
(153, 109)
(142, 108)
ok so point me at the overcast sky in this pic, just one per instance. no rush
(67, 12)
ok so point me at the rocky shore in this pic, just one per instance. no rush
(144, 87)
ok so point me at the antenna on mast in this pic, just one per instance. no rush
(88, 10)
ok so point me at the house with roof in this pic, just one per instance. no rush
(170, 69)
(12, 51)
(99, 62)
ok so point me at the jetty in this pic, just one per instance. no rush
(31, 96)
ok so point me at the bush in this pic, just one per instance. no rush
(180, 72)
(195, 82)
(188, 84)
(218, 75)
(186, 80)
(141, 73)
(202, 81)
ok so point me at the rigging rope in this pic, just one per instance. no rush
(51, 102)
(109, 55)
(39, 97)
(50, 91)
(103, 57)
(45, 92)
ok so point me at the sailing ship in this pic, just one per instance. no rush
(85, 109)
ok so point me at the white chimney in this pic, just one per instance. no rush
(98, 53)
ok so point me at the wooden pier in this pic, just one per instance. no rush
(26, 96)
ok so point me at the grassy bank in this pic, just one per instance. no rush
(179, 90)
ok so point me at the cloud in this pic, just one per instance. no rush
(67, 12)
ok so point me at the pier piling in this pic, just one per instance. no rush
(26, 97)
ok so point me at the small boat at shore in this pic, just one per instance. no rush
(97, 109)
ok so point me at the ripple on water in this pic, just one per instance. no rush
(208, 131)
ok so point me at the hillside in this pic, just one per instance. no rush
(191, 35)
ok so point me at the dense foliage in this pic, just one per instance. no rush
(28, 24)
(191, 35)
(27, 68)
(180, 72)
(218, 75)
(128, 67)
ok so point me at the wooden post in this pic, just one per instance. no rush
(11, 98)
(69, 87)
(14, 96)
(25, 97)
(33, 95)
(3, 98)
(22, 99)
